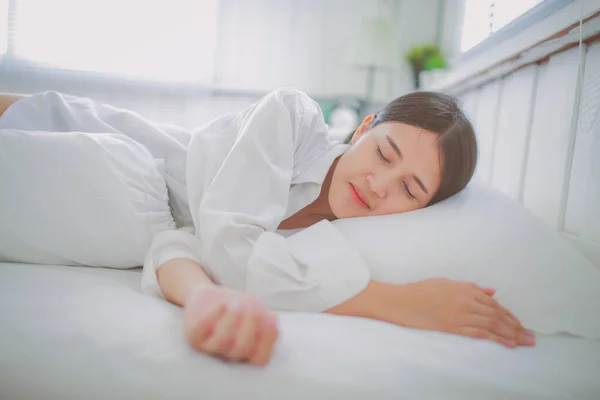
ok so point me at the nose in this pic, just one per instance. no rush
(380, 184)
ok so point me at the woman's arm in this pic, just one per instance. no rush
(217, 320)
(439, 304)
(179, 277)
(370, 303)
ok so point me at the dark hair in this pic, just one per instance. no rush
(440, 114)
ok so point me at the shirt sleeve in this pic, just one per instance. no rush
(237, 210)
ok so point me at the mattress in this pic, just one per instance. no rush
(89, 333)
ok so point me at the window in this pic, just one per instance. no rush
(159, 40)
(484, 17)
(3, 26)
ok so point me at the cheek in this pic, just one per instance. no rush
(340, 200)
(357, 169)
(358, 157)
(349, 169)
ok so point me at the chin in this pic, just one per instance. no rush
(339, 211)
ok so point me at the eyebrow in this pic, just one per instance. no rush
(397, 150)
(420, 184)
(394, 146)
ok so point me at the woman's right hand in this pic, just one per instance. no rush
(229, 324)
(455, 307)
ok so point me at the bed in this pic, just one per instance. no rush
(89, 333)
(76, 332)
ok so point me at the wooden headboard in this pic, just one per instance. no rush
(539, 137)
(541, 146)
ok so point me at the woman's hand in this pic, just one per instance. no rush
(229, 324)
(456, 307)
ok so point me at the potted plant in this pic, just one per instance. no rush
(424, 58)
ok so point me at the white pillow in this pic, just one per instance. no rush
(482, 236)
(79, 199)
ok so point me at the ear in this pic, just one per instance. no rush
(366, 124)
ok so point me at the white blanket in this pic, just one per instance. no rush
(89, 333)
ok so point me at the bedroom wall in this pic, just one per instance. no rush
(262, 44)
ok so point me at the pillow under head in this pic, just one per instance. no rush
(481, 235)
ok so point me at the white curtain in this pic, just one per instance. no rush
(188, 61)
(155, 57)
(159, 40)
(3, 27)
(304, 44)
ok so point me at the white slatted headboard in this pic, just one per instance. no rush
(538, 148)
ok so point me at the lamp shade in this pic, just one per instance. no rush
(374, 45)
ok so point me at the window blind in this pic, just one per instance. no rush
(484, 17)
(159, 40)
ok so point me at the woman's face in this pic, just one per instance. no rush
(389, 169)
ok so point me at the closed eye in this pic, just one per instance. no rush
(380, 154)
(407, 191)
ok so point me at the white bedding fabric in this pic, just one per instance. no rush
(79, 199)
(89, 333)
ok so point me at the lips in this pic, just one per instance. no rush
(358, 197)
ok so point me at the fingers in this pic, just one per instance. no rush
(485, 318)
(480, 333)
(246, 336)
(268, 336)
(510, 315)
(224, 333)
(256, 338)
(487, 291)
(495, 326)
(242, 333)
(497, 313)
(526, 338)
(199, 334)
(498, 322)
(488, 301)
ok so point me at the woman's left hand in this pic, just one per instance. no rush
(462, 308)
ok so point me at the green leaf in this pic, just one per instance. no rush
(426, 56)
(437, 61)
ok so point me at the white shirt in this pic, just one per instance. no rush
(246, 173)
(235, 180)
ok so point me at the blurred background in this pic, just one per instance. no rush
(188, 61)
(526, 72)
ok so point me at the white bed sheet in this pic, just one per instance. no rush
(76, 332)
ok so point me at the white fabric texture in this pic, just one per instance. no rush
(58, 112)
(482, 236)
(246, 173)
(79, 199)
(92, 334)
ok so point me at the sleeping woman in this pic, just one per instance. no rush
(257, 185)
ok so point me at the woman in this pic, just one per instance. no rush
(259, 184)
